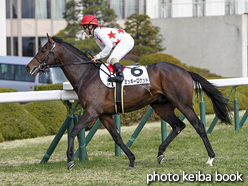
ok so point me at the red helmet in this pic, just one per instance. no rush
(89, 20)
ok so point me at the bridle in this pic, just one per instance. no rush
(44, 66)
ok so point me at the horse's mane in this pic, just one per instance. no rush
(70, 47)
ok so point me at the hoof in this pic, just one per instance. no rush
(160, 159)
(210, 161)
(130, 168)
(70, 165)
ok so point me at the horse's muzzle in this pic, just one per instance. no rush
(33, 71)
(27, 68)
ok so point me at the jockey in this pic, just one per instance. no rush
(108, 39)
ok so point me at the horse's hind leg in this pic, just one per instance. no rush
(166, 112)
(200, 129)
(110, 125)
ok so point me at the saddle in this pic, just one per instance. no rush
(133, 75)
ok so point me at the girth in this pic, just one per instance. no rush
(119, 105)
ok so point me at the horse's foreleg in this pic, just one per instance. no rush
(111, 127)
(83, 122)
(166, 112)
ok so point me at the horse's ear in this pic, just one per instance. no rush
(50, 40)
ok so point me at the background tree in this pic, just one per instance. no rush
(74, 11)
(106, 16)
(143, 32)
(71, 15)
(146, 36)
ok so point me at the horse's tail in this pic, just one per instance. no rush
(220, 105)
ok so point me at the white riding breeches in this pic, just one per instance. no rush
(124, 46)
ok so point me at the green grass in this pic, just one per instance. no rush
(19, 159)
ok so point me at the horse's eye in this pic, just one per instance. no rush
(43, 51)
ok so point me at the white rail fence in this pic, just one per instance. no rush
(68, 94)
(50, 95)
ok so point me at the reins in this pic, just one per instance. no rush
(74, 63)
(44, 66)
(103, 64)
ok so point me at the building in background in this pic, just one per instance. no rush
(28, 21)
(3, 50)
(208, 34)
(178, 8)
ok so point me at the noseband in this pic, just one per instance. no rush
(43, 66)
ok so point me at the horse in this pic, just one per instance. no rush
(170, 87)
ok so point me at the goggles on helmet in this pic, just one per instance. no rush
(85, 26)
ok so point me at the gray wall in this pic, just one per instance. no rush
(217, 43)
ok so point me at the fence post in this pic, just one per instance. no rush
(89, 137)
(236, 115)
(163, 130)
(241, 123)
(82, 146)
(67, 124)
(211, 127)
(140, 127)
(82, 142)
(117, 119)
(202, 111)
(236, 111)
(56, 139)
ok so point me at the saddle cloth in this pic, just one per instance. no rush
(133, 75)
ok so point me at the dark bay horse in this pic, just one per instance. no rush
(170, 87)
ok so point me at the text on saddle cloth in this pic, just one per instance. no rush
(133, 75)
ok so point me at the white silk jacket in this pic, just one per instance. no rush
(109, 38)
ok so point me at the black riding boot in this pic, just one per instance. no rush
(119, 74)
